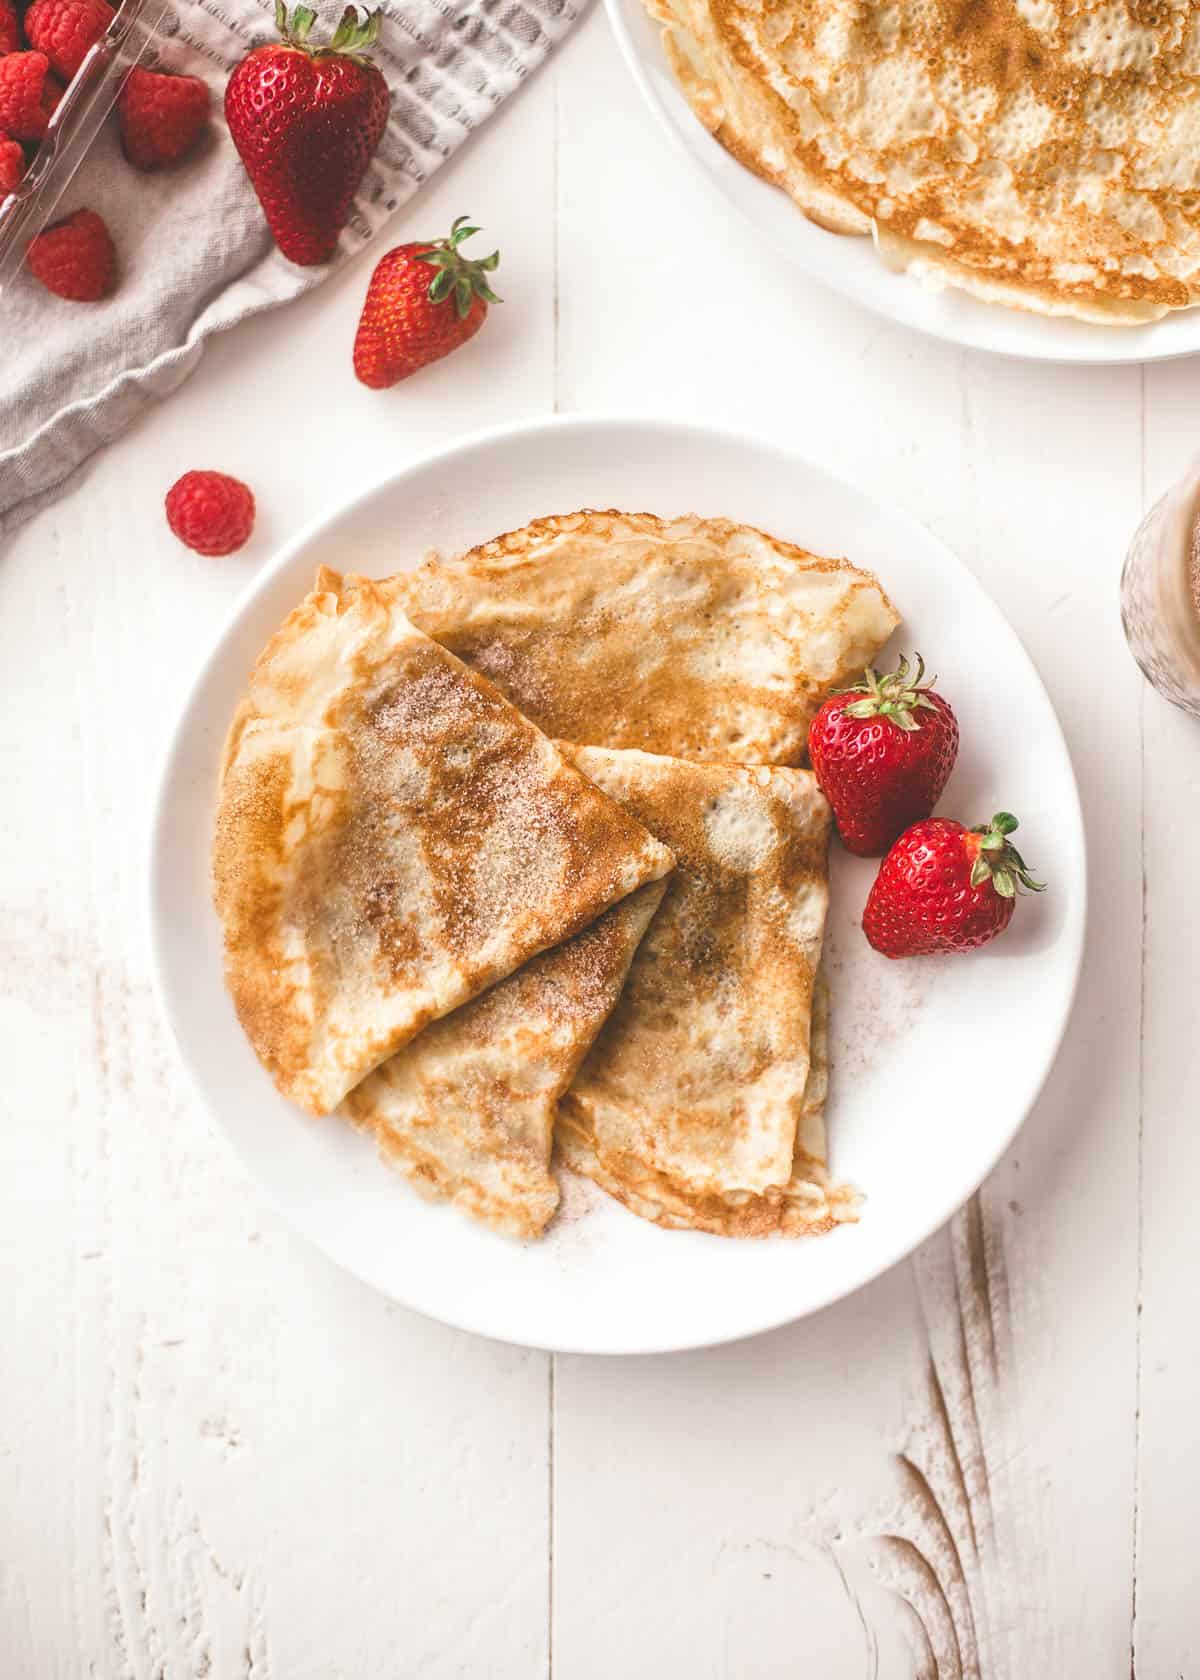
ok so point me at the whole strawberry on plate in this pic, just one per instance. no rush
(424, 300)
(882, 752)
(943, 887)
(306, 121)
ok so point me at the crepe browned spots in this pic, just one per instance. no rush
(807, 1205)
(1039, 153)
(699, 1102)
(466, 1110)
(694, 637)
(392, 838)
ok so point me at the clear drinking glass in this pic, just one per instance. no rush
(1160, 593)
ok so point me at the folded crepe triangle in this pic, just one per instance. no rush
(466, 1110)
(701, 1102)
(807, 1205)
(696, 637)
(393, 838)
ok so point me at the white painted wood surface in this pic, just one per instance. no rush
(218, 1456)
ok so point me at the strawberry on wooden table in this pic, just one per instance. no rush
(943, 887)
(424, 300)
(882, 752)
(306, 121)
(161, 117)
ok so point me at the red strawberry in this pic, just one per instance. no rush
(943, 887)
(12, 166)
(210, 511)
(161, 117)
(74, 258)
(306, 122)
(882, 753)
(11, 40)
(22, 81)
(411, 317)
(65, 29)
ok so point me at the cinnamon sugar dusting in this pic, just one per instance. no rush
(393, 837)
(467, 1109)
(695, 637)
(470, 939)
(696, 1085)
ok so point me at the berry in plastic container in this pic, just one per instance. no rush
(89, 97)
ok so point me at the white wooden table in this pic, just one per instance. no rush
(218, 1455)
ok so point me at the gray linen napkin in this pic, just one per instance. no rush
(194, 252)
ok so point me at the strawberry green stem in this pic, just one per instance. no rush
(999, 861)
(352, 37)
(895, 695)
(458, 275)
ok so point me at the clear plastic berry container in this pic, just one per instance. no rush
(88, 99)
(1160, 593)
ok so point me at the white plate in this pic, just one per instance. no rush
(852, 267)
(935, 1063)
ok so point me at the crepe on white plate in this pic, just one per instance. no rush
(695, 637)
(392, 838)
(701, 1103)
(466, 1110)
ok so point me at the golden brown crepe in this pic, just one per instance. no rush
(808, 1205)
(1038, 153)
(466, 1110)
(694, 1105)
(694, 637)
(392, 838)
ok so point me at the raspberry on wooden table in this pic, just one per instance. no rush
(65, 29)
(210, 512)
(22, 84)
(161, 117)
(74, 258)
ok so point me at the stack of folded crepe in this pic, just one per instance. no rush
(471, 939)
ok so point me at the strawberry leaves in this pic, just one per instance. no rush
(459, 276)
(999, 861)
(353, 35)
(895, 695)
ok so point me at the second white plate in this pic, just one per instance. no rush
(935, 1063)
(852, 267)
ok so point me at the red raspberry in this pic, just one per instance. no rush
(22, 80)
(74, 258)
(52, 92)
(12, 166)
(161, 117)
(210, 512)
(65, 29)
(11, 40)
